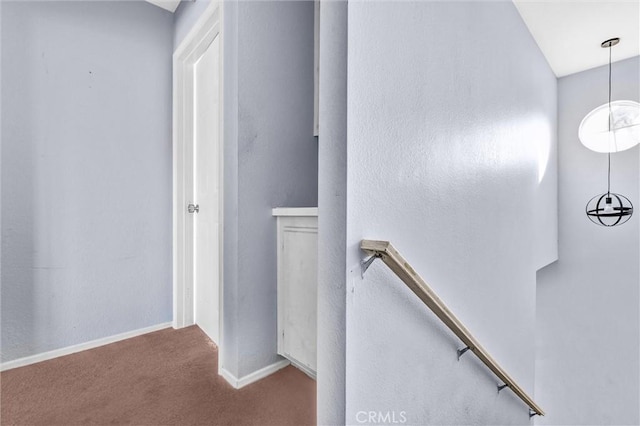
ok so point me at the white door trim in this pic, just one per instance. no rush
(195, 43)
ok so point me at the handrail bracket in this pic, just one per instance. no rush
(364, 264)
(462, 351)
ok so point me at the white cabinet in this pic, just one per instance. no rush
(297, 285)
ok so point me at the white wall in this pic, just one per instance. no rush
(270, 156)
(86, 172)
(445, 117)
(332, 207)
(588, 302)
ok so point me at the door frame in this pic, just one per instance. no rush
(206, 29)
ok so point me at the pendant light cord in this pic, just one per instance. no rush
(609, 176)
(610, 118)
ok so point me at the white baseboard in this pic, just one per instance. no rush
(255, 376)
(32, 359)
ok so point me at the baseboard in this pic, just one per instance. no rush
(230, 378)
(306, 370)
(32, 359)
(255, 376)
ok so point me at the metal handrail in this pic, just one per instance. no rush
(390, 256)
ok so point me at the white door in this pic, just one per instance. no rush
(206, 180)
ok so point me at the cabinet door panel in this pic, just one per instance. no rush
(299, 287)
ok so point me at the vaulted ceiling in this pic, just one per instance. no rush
(569, 32)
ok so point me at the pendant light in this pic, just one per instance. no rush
(619, 132)
(614, 126)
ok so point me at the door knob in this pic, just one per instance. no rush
(193, 208)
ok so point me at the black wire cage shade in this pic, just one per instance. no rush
(609, 209)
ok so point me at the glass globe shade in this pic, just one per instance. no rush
(625, 127)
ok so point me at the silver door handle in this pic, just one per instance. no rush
(193, 208)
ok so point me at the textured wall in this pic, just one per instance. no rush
(86, 172)
(445, 119)
(545, 242)
(332, 207)
(588, 329)
(231, 324)
(271, 160)
(277, 155)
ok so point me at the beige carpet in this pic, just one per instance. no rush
(161, 378)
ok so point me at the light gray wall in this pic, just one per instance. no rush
(587, 309)
(545, 242)
(445, 119)
(185, 16)
(277, 156)
(231, 335)
(1, 132)
(271, 160)
(332, 208)
(86, 172)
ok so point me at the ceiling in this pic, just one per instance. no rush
(569, 32)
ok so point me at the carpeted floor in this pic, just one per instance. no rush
(164, 378)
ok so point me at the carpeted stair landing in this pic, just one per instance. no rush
(167, 377)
